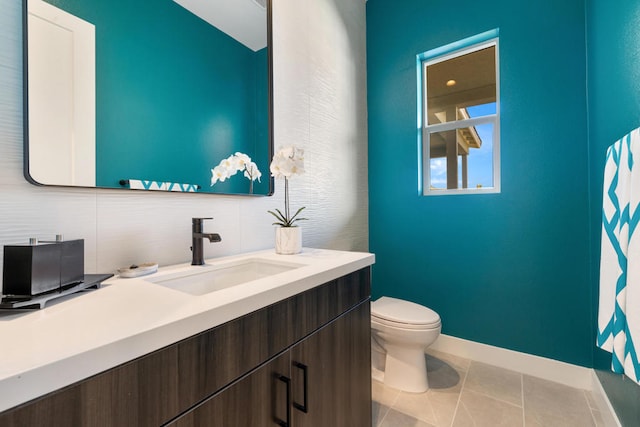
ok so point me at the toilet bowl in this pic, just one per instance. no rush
(400, 333)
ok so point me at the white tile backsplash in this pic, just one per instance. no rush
(319, 104)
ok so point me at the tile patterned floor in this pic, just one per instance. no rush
(467, 393)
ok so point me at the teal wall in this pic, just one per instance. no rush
(508, 269)
(613, 46)
(172, 95)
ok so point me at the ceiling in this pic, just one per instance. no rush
(244, 20)
(475, 80)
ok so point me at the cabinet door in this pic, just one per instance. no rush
(337, 361)
(260, 399)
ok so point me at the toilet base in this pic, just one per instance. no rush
(377, 375)
(406, 369)
(378, 355)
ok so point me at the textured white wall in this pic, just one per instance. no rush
(320, 104)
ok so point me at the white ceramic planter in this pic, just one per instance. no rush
(288, 240)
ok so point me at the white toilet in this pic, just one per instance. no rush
(400, 332)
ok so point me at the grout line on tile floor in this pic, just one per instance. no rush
(460, 405)
(593, 416)
(522, 398)
(386, 413)
(455, 412)
(395, 400)
(435, 414)
(391, 406)
(515, 405)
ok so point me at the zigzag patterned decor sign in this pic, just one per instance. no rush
(619, 304)
(141, 184)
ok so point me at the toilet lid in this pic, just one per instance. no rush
(401, 311)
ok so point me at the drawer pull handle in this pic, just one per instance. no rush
(305, 372)
(287, 381)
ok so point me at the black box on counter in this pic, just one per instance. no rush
(33, 269)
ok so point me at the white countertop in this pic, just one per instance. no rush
(81, 335)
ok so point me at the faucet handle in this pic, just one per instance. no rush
(196, 224)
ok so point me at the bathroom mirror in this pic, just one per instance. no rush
(148, 95)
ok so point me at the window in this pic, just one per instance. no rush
(459, 116)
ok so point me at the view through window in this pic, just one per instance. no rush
(460, 113)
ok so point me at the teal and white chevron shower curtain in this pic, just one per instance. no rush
(619, 305)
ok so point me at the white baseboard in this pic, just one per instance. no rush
(541, 367)
(536, 366)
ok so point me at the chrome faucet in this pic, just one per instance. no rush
(197, 237)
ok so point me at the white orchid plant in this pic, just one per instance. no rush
(287, 162)
(233, 164)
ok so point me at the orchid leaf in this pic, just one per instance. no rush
(293, 218)
(278, 216)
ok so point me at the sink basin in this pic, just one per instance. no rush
(206, 279)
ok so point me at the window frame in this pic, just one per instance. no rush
(434, 56)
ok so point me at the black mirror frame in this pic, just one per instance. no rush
(25, 111)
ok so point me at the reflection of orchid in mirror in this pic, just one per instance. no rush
(231, 165)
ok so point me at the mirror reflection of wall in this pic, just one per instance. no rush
(174, 95)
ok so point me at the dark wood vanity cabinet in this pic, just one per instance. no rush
(260, 369)
(324, 380)
(338, 365)
(258, 399)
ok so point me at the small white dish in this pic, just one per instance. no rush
(138, 270)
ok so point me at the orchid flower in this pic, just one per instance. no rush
(231, 165)
(287, 162)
